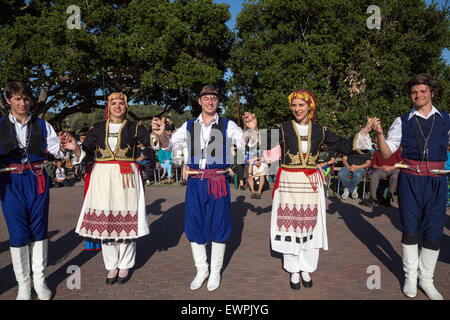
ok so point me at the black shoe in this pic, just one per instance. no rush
(307, 284)
(122, 280)
(253, 196)
(258, 196)
(368, 202)
(295, 286)
(111, 281)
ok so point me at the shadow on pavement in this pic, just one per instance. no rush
(59, 250)
(4, 246)
(238, 210)
(372, 238)
(165, 232)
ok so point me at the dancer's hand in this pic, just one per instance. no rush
(66, 141)
(376, 126)
(159, 126)
(250, 121)
(369, 125)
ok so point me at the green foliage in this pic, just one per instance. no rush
(161, 52)
(155, 51)
(325, 46)
(76, 121)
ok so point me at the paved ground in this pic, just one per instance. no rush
(361, 241)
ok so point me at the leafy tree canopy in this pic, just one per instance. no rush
(326, 47)
(155, 51)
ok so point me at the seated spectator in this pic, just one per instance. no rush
(237, 167)
(60, 176)
(146, 159)
(384, 168)
(165, 159)
(256, 174)
(272, 158)
(80, 169)
(250, 153)
(354, 169)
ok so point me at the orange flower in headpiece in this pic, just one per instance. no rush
(112, 96)
(309, 98)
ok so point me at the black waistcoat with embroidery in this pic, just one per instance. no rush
(318, 135)
(130, 132)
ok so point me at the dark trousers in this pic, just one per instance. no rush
(422, 201)
(24, 209)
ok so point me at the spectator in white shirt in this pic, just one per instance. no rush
(256, 174)
(60, 176)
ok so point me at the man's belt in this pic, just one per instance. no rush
(20, 168)
(205, 173)
(36, 167)
(425, 168)
(215, 178)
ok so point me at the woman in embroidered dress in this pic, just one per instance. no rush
(298, 225)
(113, 211)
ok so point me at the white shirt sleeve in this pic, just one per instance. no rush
(363, 142)
(236, 134)
(53, 145)
(394, 135)
(178, 137)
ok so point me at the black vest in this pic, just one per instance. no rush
(129, 134)
(318, 135)
(10, 150)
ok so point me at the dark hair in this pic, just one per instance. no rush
(423, 78)
(17, 88)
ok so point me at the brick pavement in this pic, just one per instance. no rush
(358, 238)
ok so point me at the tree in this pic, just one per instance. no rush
(154, 51)
(326, 47)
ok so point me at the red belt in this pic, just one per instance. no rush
(216, 181)
(36, 167)
(423, 168)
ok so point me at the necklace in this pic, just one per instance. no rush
(27, 137)
(425, 145)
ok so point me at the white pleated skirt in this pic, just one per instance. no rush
(114, 205)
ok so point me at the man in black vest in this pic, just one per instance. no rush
(24, 143)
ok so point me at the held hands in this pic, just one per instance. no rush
(159, 126)
(250, 121)
(376, 126)
(373, 124)
(67, 142)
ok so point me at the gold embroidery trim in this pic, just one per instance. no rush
(299, 154)
(119, 154)
(355, 139)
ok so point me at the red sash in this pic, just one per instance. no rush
(36, 167)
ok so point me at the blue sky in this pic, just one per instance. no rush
(236, 6)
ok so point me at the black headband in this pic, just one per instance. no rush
(206, 93)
